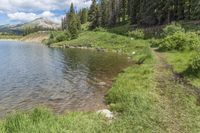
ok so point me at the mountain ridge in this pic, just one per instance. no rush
(43, 23)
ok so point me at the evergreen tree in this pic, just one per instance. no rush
(140, 12)
(112, 12)
(73, 23)
(92, 11)
(123, 9)
(84, 16)
(95, 15)
(104, 12)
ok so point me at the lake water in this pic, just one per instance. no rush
(62, 79)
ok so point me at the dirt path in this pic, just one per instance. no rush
(172, 91)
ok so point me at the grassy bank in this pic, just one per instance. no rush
(180, 62)
(108, 41)
(132, 96)
(12, 37)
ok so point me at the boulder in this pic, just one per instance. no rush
(107, 113)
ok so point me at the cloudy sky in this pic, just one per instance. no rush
(20, 11)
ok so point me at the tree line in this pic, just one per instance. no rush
(145, 13)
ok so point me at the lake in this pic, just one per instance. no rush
(62, 79)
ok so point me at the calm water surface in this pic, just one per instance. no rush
(63, 79)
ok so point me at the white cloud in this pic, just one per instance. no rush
(46, 14)
(27, 10)
(33, 5)
(79, 3)
(24, 17)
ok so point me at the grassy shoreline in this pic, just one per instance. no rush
(131, 96)
(10, 37)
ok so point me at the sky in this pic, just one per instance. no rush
(21, 11)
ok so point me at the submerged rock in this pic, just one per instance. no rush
(107, 113)
(102, 83)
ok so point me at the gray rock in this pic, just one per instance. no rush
(107, 113)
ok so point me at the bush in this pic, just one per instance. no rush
(58, 37)
(137, 34)
(180, 41)
(172, 28)
(62, 36)
(195, 64)
(154, 42)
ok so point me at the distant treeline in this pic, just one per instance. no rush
(144, 13)
(29, 30)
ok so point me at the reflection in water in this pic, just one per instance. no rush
(63, 79)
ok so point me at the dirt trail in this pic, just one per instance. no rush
(171, 87)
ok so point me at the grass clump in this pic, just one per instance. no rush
(42, 120)
(137, 34)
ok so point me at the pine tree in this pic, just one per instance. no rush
(112, 13)
(73, 23)
(95, 15)
(84, 16)
(92, 11)
(104, 12)
(123, 9)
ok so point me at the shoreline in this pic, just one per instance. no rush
(9, 40)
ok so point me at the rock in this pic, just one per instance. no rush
(102, 84)
(100, 49)
(107, 113)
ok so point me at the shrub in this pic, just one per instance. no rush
(62, 36)
(137, 34)
(154, 42)
(180, 41)
(172, 28)
(58, 37)
(195, 64)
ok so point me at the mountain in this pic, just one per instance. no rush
(43, 23)
(39, 22)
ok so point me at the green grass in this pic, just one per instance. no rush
(180, 62)
(41, 120)
(134, 96)
(10, 37)
(108, 41)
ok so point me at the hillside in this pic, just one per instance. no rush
(42, 23)
(35, 37)
(39, 22)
